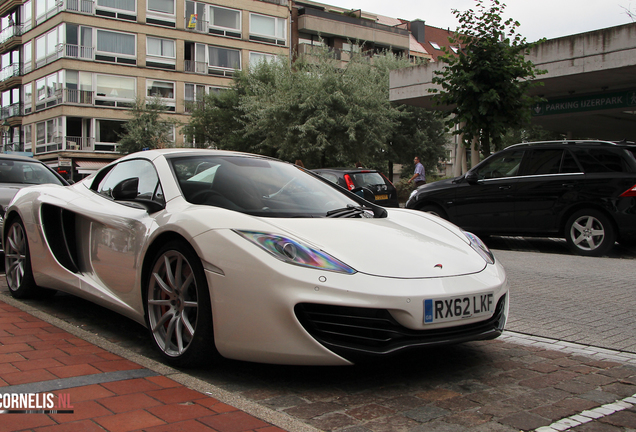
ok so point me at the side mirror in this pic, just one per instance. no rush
(472, 177)
(126, 189)
(364, 193)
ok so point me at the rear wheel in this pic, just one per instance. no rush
(590, 233)
(178, 309)
(17, 264)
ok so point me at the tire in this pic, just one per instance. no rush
(434, 210)
(590, 233)
(17, 264)
(178, 309)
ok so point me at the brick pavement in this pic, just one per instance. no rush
(104, 390)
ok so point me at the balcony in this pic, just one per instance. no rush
(71, 143)
(67, 51)
(11, 32)
(80, 6)
(13, 70)
(328, 24)
(11, 111)
(68, 97)
(74, 144)
(203, 68)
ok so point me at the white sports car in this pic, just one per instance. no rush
(253, 259)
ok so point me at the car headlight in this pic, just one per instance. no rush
(293, 252)
(480, 247)
(413, 194)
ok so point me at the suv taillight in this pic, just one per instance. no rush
(349, 181)
(631, 192)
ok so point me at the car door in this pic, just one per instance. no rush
(549, 183)
(114, 232)
(487, 206)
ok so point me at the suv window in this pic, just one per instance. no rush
(550, 161)
(503, 165)
(601, 161)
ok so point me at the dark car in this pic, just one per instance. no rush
(353, 178)
(584, 191)
(17, 172)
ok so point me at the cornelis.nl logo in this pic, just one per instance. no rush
(35, 403)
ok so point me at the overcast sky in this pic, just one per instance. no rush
(538, 18)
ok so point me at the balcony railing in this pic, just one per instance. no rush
(68, 51)
(13, 110)
(195, 66)
(9, 32)
(83, 97)
(10, 71)
(72, 143)
(80, 6)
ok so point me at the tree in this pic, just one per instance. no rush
(487, 81)
(316, 110)
(147, 129)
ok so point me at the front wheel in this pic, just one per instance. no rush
(17, 264)
(178, 309)
(590, 233)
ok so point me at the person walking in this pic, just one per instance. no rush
(419, 177)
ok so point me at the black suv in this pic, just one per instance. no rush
(584, 191)
(353, 178)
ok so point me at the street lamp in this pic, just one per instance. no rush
(5, 134)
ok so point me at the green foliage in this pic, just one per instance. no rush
(320, 111)
(488, 80)
(529, 134)
(146, 128)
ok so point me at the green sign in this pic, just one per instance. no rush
(624, 99)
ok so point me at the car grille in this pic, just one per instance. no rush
(354, 332)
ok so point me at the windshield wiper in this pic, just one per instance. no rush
(349, 211)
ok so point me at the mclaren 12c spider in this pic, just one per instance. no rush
(250, 258)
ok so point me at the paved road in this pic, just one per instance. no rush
(481, 386)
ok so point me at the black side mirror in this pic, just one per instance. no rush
(126, 189)
(364, 193)
(472, 177)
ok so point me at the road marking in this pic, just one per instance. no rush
(589, 415)
(596, 353)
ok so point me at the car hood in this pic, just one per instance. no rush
(7, 192)
(406, 244)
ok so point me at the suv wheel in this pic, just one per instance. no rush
(590, 233)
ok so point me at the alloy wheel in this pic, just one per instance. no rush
(15, 256)
(587, 233)
(172, 303)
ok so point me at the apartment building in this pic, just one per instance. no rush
(71, 69)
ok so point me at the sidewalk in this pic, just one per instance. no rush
(104, 391)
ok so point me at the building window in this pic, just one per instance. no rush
(116, 47)
(224, 58)
(114, 91)
(164, 90)
(28, 98)
(46, 47)
(48, 91)
(268, 29)
(28, 138)
(435, 45)
(257, 57)
(161, 12)
(27, 16)
(44, 9)
(108, 133)
(196, 92)
(112, 8)
(195, 10)
(27, 56)
(49, 135)
(225, 22)
(160, 53)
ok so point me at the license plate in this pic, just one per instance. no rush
(456, 308)
(381, 197)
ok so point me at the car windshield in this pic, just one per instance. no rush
(24, 172)
(256, 186)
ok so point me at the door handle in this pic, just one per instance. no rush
(506, 187)
(568, 185)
